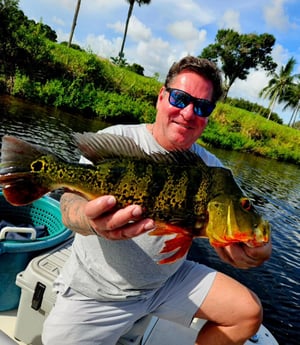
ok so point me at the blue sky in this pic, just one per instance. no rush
(166, 30)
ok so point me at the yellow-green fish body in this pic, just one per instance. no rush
(183, 195)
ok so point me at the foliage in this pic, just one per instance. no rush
(239, 54)
(35, 67)
(233, 128)
(119, 60)
(23, 44)
(138, 69)
(279, 85)
(253, 107)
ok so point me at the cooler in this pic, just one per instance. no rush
(37, 296)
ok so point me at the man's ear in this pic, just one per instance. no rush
(161, 95)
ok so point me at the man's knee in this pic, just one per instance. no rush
(252, 314)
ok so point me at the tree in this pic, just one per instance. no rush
(74, 22)
(238, 54)
(129, 13)
(292, 99)
(279, 84)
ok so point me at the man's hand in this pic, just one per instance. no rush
(116, 225)
(241, 256)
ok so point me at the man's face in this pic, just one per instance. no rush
(179, 128)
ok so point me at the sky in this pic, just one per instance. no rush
(166, 30)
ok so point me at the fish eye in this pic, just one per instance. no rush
(246, 204)
(37, 165)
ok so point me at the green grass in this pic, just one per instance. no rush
(241, 130)
(94, 87)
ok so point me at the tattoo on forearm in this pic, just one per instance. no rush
(73, 215)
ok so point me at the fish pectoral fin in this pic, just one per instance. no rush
(167, 229)
(180, 243)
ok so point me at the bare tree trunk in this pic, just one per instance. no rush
(126, 27)
(74, 22)
(271, 108)
(294, 115)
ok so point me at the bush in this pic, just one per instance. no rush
(114, 107)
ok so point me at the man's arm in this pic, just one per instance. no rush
(98, 216)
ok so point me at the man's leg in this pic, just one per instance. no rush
(74, 321)
(234, 313)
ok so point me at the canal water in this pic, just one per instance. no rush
(274, 186)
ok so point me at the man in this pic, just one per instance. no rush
(112, 279)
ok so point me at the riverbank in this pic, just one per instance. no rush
(83, 83)
(236, 129)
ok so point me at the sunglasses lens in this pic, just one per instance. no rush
(203, 108)
(178, 99)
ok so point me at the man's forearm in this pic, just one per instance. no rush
(73, 215)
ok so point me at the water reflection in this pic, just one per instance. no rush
(47, 126)
(274, 186)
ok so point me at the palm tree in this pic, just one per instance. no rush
(292, 99)
(130, 9)
(74, 22)
(279, 84)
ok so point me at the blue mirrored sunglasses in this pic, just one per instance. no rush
(181, 99)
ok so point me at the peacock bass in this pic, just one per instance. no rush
(184, 196)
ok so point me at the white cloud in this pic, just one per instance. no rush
(63, 36)
(58, 21)
(192, 38)
(137, 31)
(195, 11)
(231, 20)
(153, 55)
(280, 55)
(102, 46)
(249, 88)
(276, 17)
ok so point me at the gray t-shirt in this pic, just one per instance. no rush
(109, 270)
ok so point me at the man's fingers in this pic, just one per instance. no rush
(100, 206)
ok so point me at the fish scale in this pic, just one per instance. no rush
(184, 196)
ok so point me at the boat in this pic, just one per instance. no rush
(158, 332)
(22, 324)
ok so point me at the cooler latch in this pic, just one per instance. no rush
(38, 296)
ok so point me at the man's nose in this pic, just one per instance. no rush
(188, 111)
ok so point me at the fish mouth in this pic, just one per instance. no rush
(255, 235)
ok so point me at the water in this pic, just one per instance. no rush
(274, 186)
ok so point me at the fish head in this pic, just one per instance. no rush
(234, 219)
(231, 216)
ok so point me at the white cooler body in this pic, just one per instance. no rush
(37, 296)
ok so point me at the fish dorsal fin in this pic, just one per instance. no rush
(100, 146)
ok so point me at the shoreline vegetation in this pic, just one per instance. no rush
(83, 83)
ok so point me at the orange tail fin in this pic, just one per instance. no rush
(180, 243)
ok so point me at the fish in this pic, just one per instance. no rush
(185, 197)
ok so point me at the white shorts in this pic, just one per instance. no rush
(78, 320)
